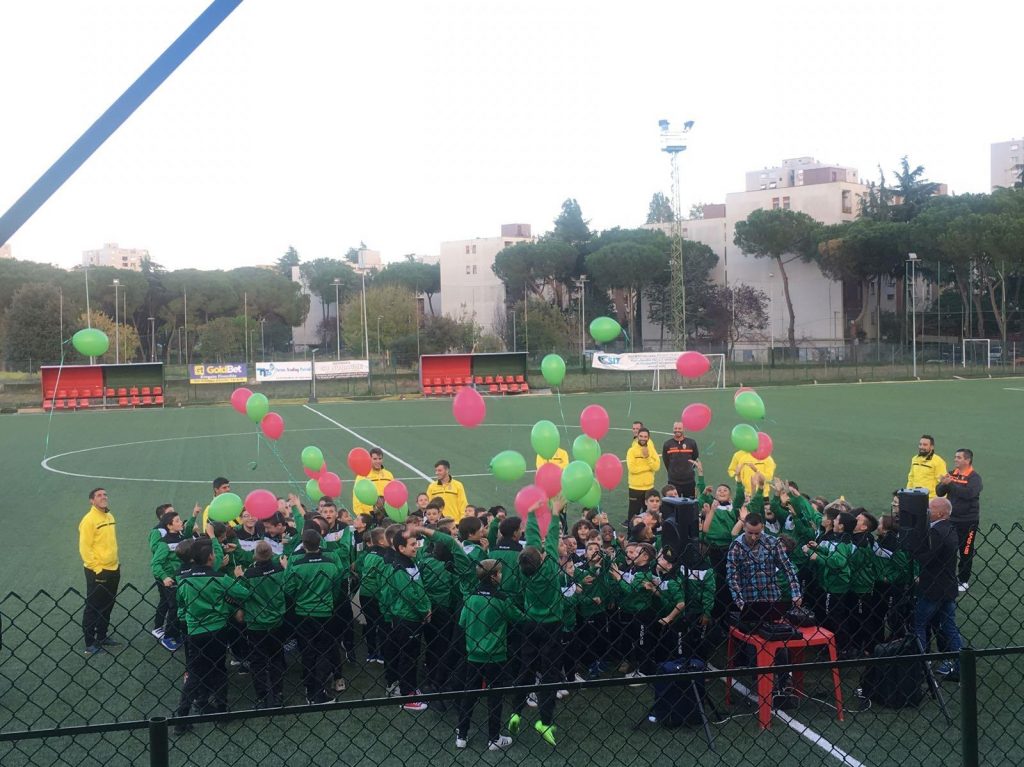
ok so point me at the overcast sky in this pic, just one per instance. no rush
(320, 123)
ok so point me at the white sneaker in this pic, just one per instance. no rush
(636, 675)
(963, 587)
(503, 741)
(339, 684)
(414, 706)
(391, 691)
(460, 742)
(579, 678)
(531, 700)
(158, 633)
(562, 694)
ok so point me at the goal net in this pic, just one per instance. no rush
(713, 379)
(976, 352)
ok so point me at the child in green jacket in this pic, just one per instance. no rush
(484, 619)
(164, 565)
(409, 607)
(264, 614)
(832, 556)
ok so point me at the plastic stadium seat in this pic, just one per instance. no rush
(158, 390)
(457, 380)
(493, 388)
(479, 379)
(85, 392)
(499, 379)
(60, 404)
(84, 402)
(135, 401)
(110, 392)
(73, 394)
(122, 402)
(520, 379)
(145, 391)
(490, 380)
(514, 388)
(134, 391)
(158, 400)
(503, 388)
(62, 394)
(147, 400)
(525, 387)
(47, 404)
(449, 390)
(122, 392)
(427, 391)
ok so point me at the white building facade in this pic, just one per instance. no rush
(111, 254)
(1007, 163)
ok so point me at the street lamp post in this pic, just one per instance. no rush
(514, 348)
(379, 318)
(312, 377)
(263, 340)
(771, 313)
(152, 339)
(337, 314)
(912, 260)
(582, 283)
(117, 326)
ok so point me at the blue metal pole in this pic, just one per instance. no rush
(114, 117)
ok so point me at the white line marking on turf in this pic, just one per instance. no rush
(361, 438)
(800, 728)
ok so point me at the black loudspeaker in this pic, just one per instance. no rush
(680, 530)
(913, 512)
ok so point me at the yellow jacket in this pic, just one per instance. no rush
(746, 474)
(97, 540)
(640, 471)
(379, 479)
(925, 472)
(560, 458)
(454, 495)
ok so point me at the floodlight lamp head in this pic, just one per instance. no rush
(912, 256)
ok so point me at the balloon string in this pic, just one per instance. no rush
(53, 402)
(295, 483)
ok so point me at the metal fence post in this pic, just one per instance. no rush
(158, 750)
(969, 707)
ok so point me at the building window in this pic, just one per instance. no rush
(785, 203)
(474, 268)
(467, 268)
(474, 248)
(775, 203)
(467, 249)
(847, 201)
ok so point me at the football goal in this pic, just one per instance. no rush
(976, 352)
(713, 379)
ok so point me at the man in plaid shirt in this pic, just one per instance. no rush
(753, 563)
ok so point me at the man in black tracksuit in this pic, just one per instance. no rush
(678, 455)
(963, 489)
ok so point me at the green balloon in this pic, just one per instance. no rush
(577, 479)
(256, 407)
(744, 437)
(91, 342)
(366, 492)
(605, 329)
(225, 507)
(592, 499)
(312, 457)
(313, 490)
(586, 449)
(552, 367)
(397, 514)
(544, 438)
(750, 406)
(508, 465)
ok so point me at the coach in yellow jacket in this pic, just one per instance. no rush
(642, 463)
(379, 476)
(926, 468)
(97, 543)
(449, 489)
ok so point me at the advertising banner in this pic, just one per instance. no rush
(283, 371)
(636, 361)
(230, 372)
(342, 369)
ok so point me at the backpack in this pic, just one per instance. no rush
(895, 685)
(679, 702)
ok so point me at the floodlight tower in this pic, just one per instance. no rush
(673, 142)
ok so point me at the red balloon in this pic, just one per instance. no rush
(359, 461)
(239, 397)
(272, 425)
(740, 391)
(764, 446)
(608, 471)
(330, 484)
(696, 416)
(692, 364)
(396, 493)
(594, 421)
(315, 474)
(261, 504)
(528, 496)
(549, 479)
(469, 407)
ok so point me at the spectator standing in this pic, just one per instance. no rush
(963, 490)
(927, 467)
(97, 543)
(678, 454)
(449, 489)
(642, 463)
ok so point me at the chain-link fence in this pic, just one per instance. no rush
(325, 662)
